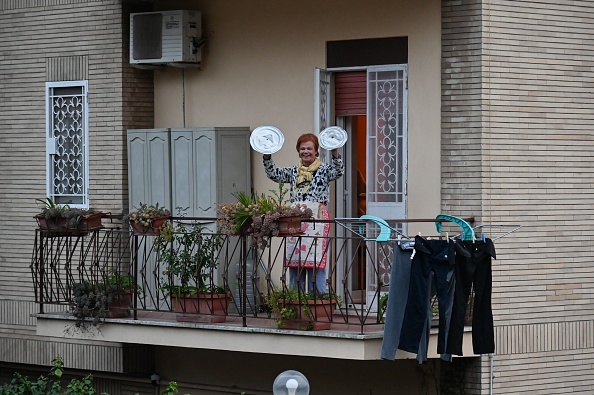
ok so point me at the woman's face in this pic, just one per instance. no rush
(307, 153)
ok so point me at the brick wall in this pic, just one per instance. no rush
(518, 89)
(59, 40)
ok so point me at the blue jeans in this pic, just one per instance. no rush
(301, 274)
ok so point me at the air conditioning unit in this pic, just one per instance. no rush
(165, 37)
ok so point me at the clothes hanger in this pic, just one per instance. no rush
(380, 231)
(468, 231)
(385, 230)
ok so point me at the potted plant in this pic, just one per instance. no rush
(120, 291)
(292, 309)
(61, 219)
(188, 255)
(148, 219)
(262, 216)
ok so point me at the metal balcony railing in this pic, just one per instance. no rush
(157, 270)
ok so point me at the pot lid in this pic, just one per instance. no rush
(266, 139)
(333, 137)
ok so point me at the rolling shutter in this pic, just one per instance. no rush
(350, 89)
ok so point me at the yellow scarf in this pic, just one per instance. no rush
(305, 174)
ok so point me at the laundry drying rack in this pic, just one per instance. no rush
(372, 228)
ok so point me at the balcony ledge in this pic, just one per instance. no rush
(232, 337)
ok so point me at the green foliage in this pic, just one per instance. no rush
(53, 385)
(382, 306)
(47, 202)
(171, 389)
(188, 255)
(285, 305)
(258, 215)
(117, 281)
(54, 212)
(50, 384)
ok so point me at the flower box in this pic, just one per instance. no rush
(62, 227)
(289, 226)
(152, 230)
(201, 308)
(148, 219)
(308, 314)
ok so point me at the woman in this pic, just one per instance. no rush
(310, 183)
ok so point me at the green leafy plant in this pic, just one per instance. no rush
(53, 213)
(121, 282)
(289, 304)
(120, 290)
(188, 255)
(50, 384)
(171, 389)
(258, 215)
(382, 306)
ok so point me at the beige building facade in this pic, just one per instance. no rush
(498, 116)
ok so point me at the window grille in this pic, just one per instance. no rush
(67, 142)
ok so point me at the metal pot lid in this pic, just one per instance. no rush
(266, 139)
(333, 137)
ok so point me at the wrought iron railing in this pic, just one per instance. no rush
(256, 281)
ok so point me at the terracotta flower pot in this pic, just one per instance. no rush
(153, 230)
(201, 307)
(60, 227)
(321, 312)
(119, 307)
(289, 226)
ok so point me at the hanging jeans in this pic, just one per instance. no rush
(433, 258)
(397, 297)
(474, 270)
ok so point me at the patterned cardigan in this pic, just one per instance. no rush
(319, 190)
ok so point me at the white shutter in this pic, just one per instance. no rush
(322, 104)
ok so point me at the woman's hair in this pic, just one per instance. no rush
(309, 137)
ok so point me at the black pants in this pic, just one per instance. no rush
(473, 270)
(433, 259)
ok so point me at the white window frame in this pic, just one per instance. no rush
(52, 144)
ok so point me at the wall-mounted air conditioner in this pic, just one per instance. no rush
(165, 37)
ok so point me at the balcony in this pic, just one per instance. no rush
(358, 269)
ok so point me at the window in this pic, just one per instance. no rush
(67, 151)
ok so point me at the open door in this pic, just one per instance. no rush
(387, 98)
(375, 159)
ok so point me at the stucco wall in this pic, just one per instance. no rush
(258, 70)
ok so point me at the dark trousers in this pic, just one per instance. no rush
(474, 270)
(433, 258)
(397, 299)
